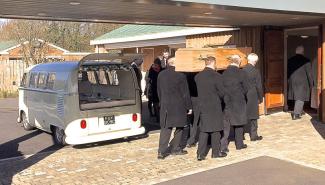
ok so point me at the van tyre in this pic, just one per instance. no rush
(59, 136)
(25, 122)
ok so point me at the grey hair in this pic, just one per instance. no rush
(235, 59)
(171, 61)
(252, 58)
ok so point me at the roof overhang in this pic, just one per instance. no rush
(162, 35)
(214, 13)
(147, 43)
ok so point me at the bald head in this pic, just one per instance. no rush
(300, 50)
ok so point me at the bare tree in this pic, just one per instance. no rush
(34, 35)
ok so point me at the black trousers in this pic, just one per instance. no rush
(226, 132)
(203, 143)
(194, 131)
(239, 135)
(299, 107)
(165, 134)
(253, 128)
(150, 106)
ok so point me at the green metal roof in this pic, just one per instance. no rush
(7, 44)
(138, 30)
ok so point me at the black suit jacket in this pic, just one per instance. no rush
(210, 94)
(236, 87)
(255, 91)
(174, 97)
(300, 78)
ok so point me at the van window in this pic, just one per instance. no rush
(113, 78)
(102, 77)
(91, 77)
(50, 81)
(33, 80)
(115, 86)
(42, 80)
(24, 80)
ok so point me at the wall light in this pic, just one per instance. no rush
(74, 3)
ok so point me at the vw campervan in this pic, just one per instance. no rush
(92, 100)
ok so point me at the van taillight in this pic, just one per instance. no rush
(83, 124)
(134, 117)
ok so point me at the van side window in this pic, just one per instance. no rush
(91, 77)
(33, 80)
(23, 82)
(102, 77)
(42, 80)
(50, 81)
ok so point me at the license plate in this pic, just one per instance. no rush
(109, 120)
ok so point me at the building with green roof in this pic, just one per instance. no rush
(149, 39)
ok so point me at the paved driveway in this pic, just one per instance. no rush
(134, 161)
(15, 141)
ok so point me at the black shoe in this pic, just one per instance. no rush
(219, 155)
(258, 138)
(200, 158)
(242, 147)
(295, 116)
(162, 155)
(225, 150)
(180, 152)
(190, 145)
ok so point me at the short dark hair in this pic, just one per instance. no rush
(157, 61)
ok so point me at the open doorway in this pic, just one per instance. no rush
(308, 38)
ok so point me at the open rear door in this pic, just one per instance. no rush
(274, 66)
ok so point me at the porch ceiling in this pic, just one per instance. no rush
(166, 12)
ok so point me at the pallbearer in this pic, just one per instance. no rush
(254, 95)
(175, 104)
(235, 83)
(210, 95)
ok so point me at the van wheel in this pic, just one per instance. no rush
(25, 123)
(59, 136)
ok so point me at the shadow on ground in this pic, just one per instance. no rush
(11, 167)
(319, 126)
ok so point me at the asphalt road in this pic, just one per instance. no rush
(261, 170)
(15, 141)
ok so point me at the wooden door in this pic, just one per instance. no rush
(148, 58)
(274, 66)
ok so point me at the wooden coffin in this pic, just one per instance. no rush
(190, 59)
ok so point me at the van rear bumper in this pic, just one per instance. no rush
(104, 136)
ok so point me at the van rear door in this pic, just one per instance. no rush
(108, 94)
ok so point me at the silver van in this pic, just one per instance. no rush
(95, 99)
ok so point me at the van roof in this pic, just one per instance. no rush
(56, 67)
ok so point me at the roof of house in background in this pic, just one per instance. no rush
(130, 33)
(6, 46)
